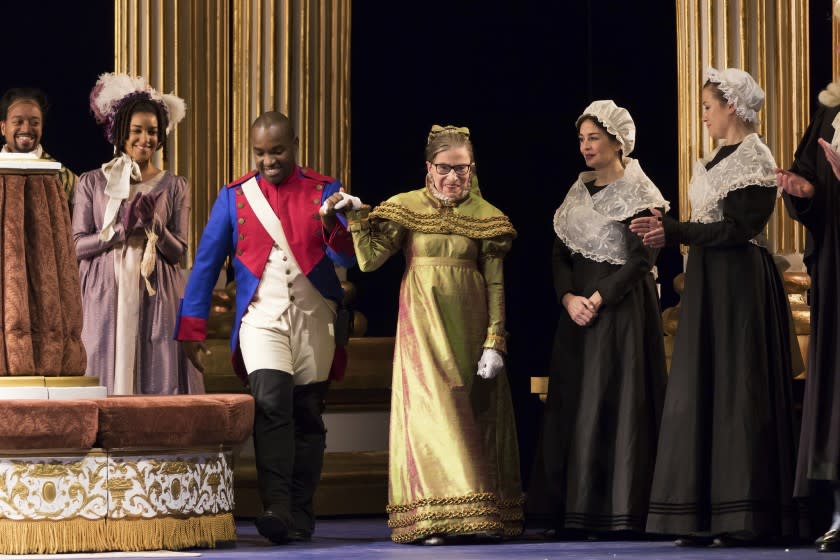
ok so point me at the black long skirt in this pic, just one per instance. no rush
(727, 448)
(606, 388)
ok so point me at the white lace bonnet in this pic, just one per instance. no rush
(739, 89)
(615, 119)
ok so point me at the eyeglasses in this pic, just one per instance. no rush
(460, 170)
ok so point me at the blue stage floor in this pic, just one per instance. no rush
(365, 538)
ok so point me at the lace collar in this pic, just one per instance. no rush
(438, 200)
(592, 225)
(750, 164)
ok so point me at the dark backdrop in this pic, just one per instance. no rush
(820, 47)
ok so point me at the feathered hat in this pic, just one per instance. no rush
(113, 90)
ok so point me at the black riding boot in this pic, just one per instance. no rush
(310, 441)
(274, 446)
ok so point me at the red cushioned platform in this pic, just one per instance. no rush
(174, 421)
(48, 424)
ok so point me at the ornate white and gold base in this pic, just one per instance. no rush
(103, 500)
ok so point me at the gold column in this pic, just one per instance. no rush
(767, 38)
(835, 37)
(294, 56)
(231, 60)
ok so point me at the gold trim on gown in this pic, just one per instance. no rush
(454, 457)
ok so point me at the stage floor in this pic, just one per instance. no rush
(365, 538)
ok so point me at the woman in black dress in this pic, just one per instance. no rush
(607, 377)
(726, 457)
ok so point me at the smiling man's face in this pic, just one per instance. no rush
(23, 126)
(274, 148)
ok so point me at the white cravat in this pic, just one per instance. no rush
(119, 173)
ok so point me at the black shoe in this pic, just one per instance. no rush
(615, 536)
(829, 535)
(722, 541)
(727, 540)
(274, 526)
(829, 542)
(432, 540)
(693, 541)
(299, 535)
(488, 537)
(563, 534)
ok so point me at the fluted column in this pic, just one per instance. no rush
(294, 56)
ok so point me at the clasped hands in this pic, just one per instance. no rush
(582, 310)
(339, 201)
(140, 212)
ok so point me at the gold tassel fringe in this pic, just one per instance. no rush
(51, 537)
(99, 535)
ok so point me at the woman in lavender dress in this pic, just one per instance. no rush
(130, 224)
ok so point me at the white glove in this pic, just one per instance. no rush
(353, 202)
(490, 364)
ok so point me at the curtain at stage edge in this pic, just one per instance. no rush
(41, 312)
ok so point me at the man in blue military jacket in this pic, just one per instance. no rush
(278, 225)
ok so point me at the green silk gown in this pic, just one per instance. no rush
(453, 453)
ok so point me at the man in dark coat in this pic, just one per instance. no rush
(812, 196)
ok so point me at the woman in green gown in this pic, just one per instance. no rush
(454, 460)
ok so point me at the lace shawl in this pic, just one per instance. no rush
(591, 225)
(750, 164)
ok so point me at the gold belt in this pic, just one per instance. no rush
(442, 261)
